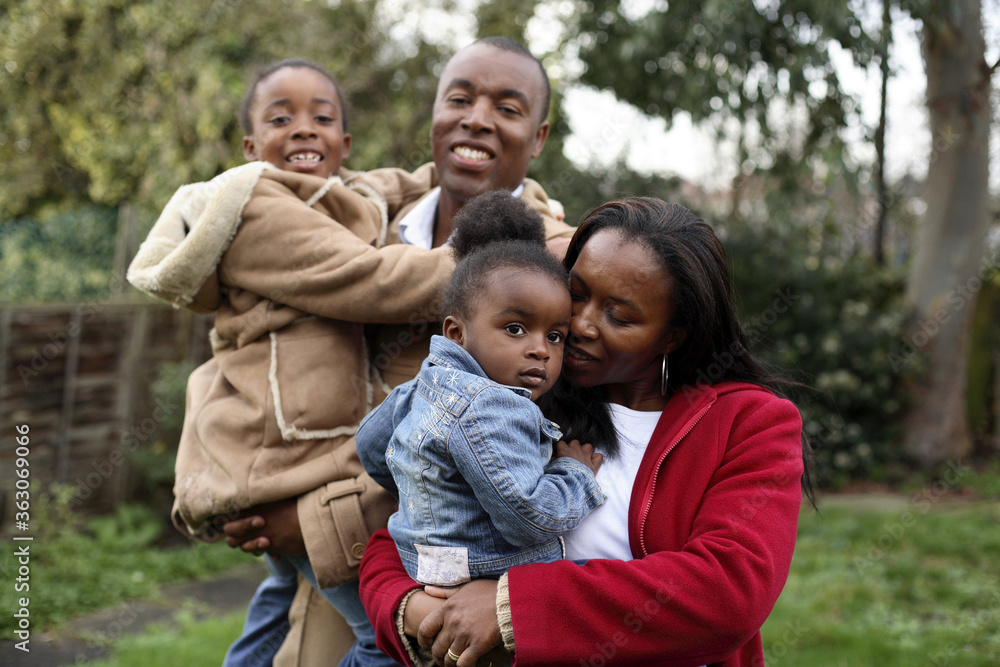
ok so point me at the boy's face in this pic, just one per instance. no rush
(517, 329)
(298, 123)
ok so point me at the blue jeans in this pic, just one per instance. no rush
(267, 618)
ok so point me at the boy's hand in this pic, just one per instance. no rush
(585, 454)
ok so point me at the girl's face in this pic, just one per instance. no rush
(517, 329)
(622, 308)
(298, 123)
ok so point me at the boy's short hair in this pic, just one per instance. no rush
(291, 63)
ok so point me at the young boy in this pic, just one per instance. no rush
(463, 445)
(286, 255)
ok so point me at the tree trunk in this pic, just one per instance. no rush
(944, 279)
(881, 187)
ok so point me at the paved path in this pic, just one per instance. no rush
(68, 644)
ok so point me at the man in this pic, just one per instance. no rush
(489, 122)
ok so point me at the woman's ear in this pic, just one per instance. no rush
(674, 339)
(453, 329)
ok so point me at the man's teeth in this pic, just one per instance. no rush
(471, 153)
(305, 157)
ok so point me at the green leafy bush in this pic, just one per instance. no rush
(835, 325)
(60, 255)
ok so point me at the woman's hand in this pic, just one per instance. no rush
(466, 625)
(273, 528)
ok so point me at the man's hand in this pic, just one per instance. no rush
(273, 528)
(466, 624)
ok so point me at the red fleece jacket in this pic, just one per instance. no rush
(712, 525)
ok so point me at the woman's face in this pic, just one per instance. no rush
(622, 308)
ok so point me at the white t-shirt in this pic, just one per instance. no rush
(604, 534)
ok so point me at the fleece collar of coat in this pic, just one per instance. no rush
(195, 229)
(187, 241)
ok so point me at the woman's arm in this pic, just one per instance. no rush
(384, 585)
(691, 604)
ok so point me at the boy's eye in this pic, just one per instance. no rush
(324, 119)
(556, 337)
(278, 120)
(514, 329)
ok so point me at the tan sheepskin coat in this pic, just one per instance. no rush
(293, 267)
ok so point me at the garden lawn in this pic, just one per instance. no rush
(908, 581)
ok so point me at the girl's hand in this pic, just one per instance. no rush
(466, 624)
(421, 604)
(585, 454)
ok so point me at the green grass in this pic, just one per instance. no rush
(880, 580)
(78, 565)
(190, 642)
(914, 583)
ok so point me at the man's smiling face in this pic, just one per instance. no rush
(488, 121)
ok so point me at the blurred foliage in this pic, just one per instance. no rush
(58, 255)
(835, 325)
(109, 101)
(730, 60)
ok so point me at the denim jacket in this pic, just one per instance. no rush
(469, 460)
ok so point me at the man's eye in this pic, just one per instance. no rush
(514, 329)
(556, 338)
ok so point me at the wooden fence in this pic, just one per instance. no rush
(78, 377)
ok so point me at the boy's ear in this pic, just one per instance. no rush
(345, 151)
(453, 329)
(249, 149)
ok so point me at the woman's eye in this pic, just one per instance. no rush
(615, 320)
(555, 337)
(514, 329)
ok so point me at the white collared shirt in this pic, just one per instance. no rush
(417, 226)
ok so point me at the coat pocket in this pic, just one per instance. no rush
(319, 379)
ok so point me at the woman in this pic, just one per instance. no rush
(688, 556)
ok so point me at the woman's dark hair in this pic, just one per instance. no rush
(292, 63)
(715, 349)
(493, 231)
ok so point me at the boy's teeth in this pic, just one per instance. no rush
(471, 153)
(304, 157)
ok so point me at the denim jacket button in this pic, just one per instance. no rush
(358, 550)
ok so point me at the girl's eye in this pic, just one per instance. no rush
(514, 329)
(556, 337)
